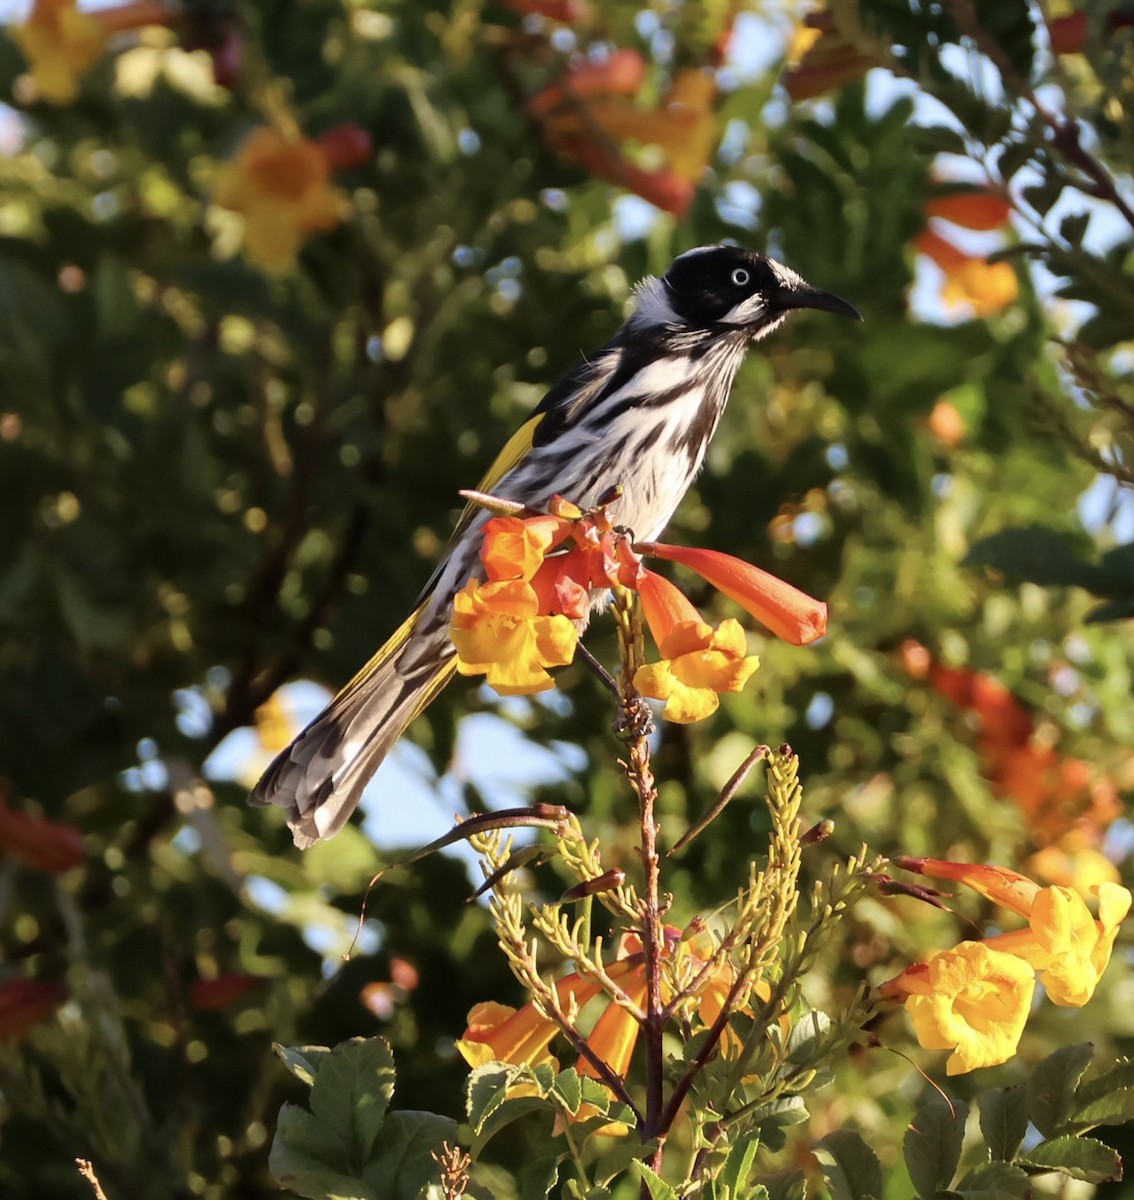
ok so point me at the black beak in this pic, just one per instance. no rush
(809, 297)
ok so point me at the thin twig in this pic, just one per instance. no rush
(87, 1171)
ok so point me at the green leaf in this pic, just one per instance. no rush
(1043, 196)
(937, 139)
(1111, 610)
(539, 1177)
(932, 1145)
(659, 1189)
(850, 1168)
(309, 1159)
(785, 1185)
(1036, 554)
(568, 1090)
(1115, 1108)
(773, 1118)
(1117, 1077)
(486, 1089)
(1014, 156)
(302, 1061)
(805, 1036)
(618, 1157)
(1078, 1157)
(1118, 565)
(1003, 1120)
(402, 1162)
(1051, 1089)
(738, 1166)
(996, 1181)
(1072, 227)
(352, 1091)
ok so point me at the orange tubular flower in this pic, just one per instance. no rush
(986, 287)
(971, 1000)
(514, 547)
(789, 613)
(499, 633)
(981, 210)
(499, 1033)
(593, 112)
(61, 44)
(698, 661)
(281, 185)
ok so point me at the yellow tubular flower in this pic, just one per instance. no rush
(61, 45)
(698, 661)
(282, 188)
(972, 1000)
(498, 632)
(1069, 947)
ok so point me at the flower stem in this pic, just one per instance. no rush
(634, 725)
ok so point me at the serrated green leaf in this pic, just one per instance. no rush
(352, 1091)
(501, 1115)
(1116, 1077)
(932, 1145)
(486, 1089)
(776, 1116)
(1115, 1108)
(402, 1162)
(1079, 1157)
(1051, 1089)
(596, 1094)
(1003, 1120)
(850, 1168)
(738, 1166)
(805, 1035)
(308, 1159)
(996, 1181)
(658, 1188)
(568, 1089)
(539, 1177)
(302, 1061)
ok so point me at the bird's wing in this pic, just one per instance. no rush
(514, 450)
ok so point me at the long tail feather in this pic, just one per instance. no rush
(319, 778)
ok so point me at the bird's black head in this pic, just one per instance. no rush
(731, 288)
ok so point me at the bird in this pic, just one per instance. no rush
(637, 414)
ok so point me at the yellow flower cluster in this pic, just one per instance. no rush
(975, 998)
(541, 574)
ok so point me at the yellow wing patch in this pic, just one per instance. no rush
(515, 449)
(396, 641)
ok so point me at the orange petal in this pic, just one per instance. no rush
(1007, 888)
(973, 210)
(789, 613)
(665, 606)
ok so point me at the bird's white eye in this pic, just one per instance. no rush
(740, 277)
